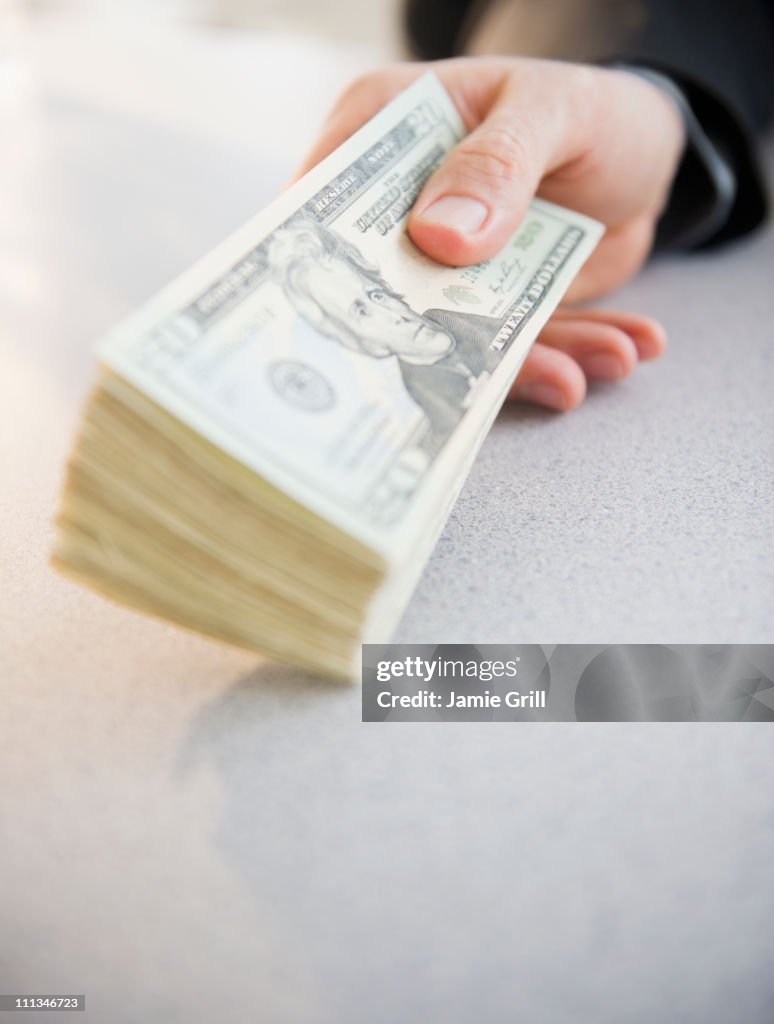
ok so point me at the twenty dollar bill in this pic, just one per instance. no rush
(276, 439)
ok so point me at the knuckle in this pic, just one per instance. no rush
(497, 154)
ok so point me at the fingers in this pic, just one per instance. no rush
(476, 199)
(537, 119)
(647, 334)
(580, 345)
(551, 378)
(602, 351)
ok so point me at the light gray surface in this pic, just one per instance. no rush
(187, 836)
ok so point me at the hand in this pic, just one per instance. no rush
(604, 142)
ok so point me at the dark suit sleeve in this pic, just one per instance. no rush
(721, 57)
(726, 49)
(719, 54)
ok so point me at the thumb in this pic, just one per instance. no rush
(476, 199)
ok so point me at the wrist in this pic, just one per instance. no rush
(703, 187)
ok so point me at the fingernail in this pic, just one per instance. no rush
(602, 366)
(460, 213)
(541, 394)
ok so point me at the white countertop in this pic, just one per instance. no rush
(187, 835)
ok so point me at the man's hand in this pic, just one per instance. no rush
(604, 142)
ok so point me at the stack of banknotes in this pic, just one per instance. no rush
(274, 441)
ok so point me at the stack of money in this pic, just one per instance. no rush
(274, 441)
